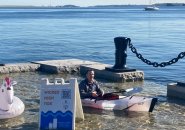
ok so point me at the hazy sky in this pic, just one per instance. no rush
(83, 2)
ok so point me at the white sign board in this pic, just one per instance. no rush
(58, 104)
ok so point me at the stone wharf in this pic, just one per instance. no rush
(72, 66)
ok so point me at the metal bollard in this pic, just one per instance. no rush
(120, 55)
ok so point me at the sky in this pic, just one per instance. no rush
(83, 3)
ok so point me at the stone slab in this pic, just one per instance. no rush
(175, 91)
(100, 72)
(63, 66)
(74, 66)
(18, 67)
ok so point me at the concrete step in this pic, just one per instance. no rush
(176, 90)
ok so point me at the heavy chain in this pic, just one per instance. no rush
(155, 64)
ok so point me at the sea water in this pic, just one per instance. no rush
(88, 34)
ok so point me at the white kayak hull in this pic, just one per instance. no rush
(132, 103)
(16, 109)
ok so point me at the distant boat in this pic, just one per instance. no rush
(151, 8)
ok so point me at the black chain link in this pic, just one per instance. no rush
(155, 64)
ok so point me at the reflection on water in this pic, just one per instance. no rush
(168, 113)
(118, 119)
(10, 123)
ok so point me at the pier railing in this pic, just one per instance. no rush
(155, 64)
(121, 44)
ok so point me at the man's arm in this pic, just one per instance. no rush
(98, 89)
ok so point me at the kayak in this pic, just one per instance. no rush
(130, 103)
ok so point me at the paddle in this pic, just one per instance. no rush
(130, 91)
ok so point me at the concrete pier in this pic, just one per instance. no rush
(100, 72)
(73, 66)
(176, 90)
(19, 67)
(63, 66)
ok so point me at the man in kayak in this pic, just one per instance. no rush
(89, 87)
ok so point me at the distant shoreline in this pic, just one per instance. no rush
(98, 6)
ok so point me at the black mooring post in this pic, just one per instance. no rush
(121, 52)
(120, 55)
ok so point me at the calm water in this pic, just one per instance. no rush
(48, 34)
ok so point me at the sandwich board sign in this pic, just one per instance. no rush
(60, 104)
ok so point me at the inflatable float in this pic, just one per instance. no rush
(10, 105)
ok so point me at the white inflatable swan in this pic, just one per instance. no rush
(10, 105)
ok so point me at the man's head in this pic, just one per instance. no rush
(90, 75)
